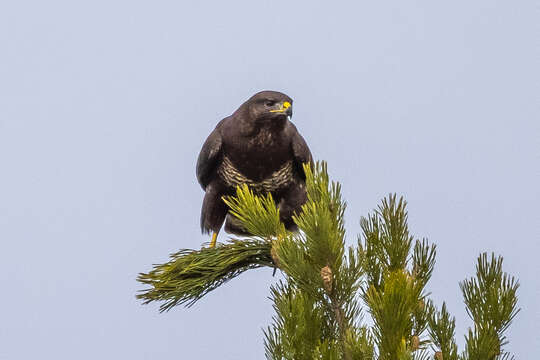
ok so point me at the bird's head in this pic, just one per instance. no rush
(269, 107)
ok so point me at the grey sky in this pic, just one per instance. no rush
(104, 106)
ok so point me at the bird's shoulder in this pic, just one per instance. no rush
(290, 129)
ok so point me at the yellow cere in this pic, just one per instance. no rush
(284, 107)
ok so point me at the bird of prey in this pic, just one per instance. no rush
(259, 146)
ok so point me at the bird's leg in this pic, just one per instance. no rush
(214, 239)
(234, 226)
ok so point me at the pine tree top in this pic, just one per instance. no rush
(328, 287)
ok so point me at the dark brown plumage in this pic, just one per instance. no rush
(259, 146)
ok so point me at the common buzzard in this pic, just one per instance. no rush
(259, 146)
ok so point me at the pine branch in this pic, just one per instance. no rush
(396, 274)
(442, 330)
(300, 328)
(318, 315)
(191, 274)
(259, 215)
(491, 300)
(314, 259)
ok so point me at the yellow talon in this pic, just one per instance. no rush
(213, 241)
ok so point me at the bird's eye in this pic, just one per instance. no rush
(270, 103)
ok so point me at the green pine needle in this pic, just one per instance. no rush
(191, 274)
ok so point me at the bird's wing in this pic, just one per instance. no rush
(208, 158)
(301, 152)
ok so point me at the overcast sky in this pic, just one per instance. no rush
(104, 106)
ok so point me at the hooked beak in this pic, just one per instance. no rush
(285, 107)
